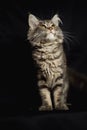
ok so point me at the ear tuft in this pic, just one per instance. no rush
(33, 21)
(56, 20)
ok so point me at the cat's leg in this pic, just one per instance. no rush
(60, 91)
(46, 99)
(44, 93)
(59, 98)
(65, 93)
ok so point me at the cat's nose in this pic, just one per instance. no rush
(51, 28)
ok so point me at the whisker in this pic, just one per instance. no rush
(65, 32)
(71, 38)
(67, 42)
(68, 38)
(69, 35)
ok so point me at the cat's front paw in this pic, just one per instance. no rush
(45, 108)
(61, 107)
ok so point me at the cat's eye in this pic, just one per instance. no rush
(43, 25)
(52, 25)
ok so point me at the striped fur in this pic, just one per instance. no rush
(46, 39)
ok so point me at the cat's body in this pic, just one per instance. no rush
(46, 39)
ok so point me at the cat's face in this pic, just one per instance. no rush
(44, 29)
(48, 28)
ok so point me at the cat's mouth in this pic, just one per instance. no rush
(50, 36)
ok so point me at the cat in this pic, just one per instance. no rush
(46, 39)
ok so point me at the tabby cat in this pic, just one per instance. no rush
(46, 38)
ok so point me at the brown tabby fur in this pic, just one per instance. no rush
(46, 38)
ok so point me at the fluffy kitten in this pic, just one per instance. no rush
(46, 38)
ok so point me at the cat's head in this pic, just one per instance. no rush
(47, 30)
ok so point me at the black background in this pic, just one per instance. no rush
(18, 94)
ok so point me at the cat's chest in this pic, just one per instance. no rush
(49, 62)
(46, 51)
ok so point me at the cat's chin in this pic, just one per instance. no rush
(50, 37)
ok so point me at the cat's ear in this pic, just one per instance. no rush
(56, 20)
(32, 21)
